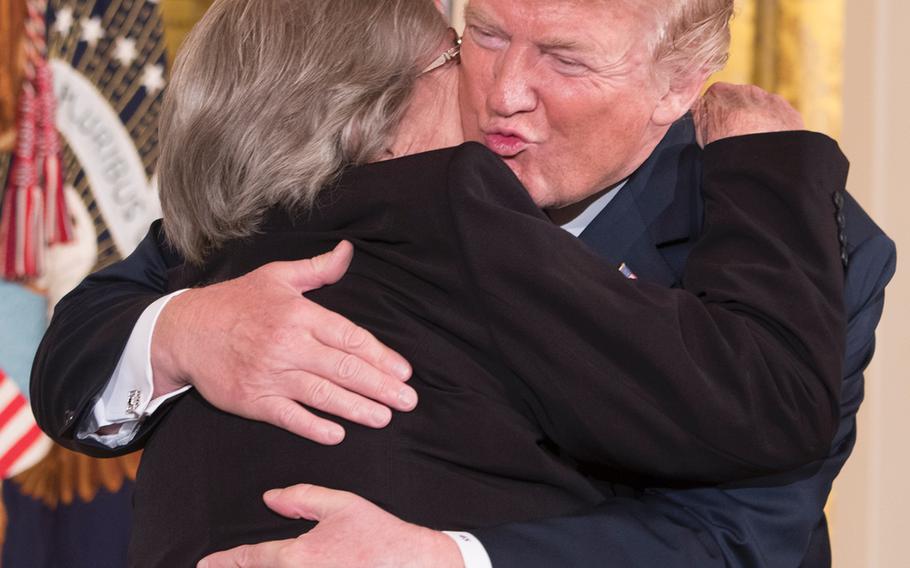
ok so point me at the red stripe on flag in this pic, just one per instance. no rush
(19, 448)
(11, 409)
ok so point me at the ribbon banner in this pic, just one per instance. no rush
(108, 62)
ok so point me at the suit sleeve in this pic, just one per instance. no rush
(766, 523)
(732, 377)
(86, 337)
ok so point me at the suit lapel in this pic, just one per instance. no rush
(650, 223)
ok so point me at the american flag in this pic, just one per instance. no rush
(22, 444)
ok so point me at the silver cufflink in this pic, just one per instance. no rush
(132, 403)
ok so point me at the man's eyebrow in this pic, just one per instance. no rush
(474, 16)
(562, 45)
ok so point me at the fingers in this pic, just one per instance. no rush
(330, 267)
(360, 378)
(330, 328)
(700, 116)
(287, 351)
(310, 502)
(340, 333)
(304, 388)
(311, 273)
(728, 110)
(247, 556)
(331, 398)
(289, 415)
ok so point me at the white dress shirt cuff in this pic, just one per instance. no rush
(126, 400)
(473, 553)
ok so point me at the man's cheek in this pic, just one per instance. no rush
(470, 123)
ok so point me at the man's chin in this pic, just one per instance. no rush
(534, 184)
(537, 188)
(520, 172)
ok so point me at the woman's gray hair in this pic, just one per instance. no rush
(270, 99)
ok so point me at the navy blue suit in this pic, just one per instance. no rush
(652, 225)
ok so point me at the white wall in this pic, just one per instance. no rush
(458, 14)
(872, 495)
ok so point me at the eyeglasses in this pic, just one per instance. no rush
(447, 56)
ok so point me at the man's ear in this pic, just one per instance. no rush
(680, 93)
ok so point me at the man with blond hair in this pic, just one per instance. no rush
(587, 102)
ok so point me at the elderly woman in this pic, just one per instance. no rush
(291, 125)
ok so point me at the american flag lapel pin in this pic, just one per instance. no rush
(627, 272)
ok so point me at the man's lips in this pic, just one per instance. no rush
(506, 144)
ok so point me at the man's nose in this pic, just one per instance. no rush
(512, 90)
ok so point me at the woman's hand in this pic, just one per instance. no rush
(728, 110)
(351, 532)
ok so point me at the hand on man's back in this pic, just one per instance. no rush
(254, 346)
(728, 110)
(351, 531)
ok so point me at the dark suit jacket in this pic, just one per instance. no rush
(141, 281)
(776, 521)
(510, 359)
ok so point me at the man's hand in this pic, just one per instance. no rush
(351, 532)
(255, 347)
(737, 110)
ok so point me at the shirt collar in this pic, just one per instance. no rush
(577, 225)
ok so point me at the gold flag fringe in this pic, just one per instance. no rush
(12, 66)
(62, 476)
